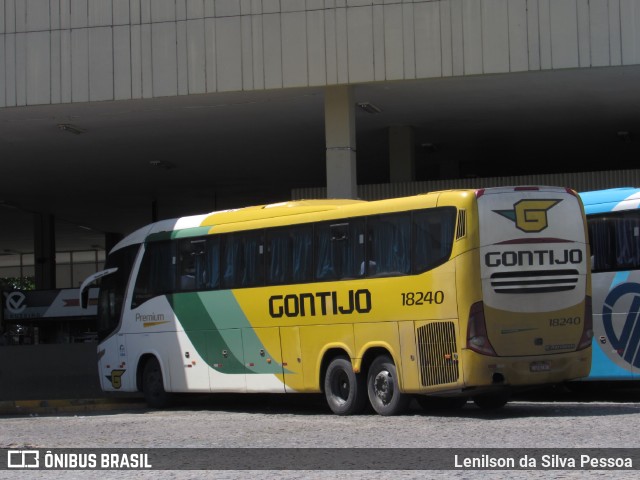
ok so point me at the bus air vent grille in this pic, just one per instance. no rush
(536, 281)
(438, 353)
(461, 229)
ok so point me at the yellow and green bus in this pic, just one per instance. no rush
(444, 297)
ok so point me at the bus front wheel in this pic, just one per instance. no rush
(343, 388)
(153, 386)
(383, 388)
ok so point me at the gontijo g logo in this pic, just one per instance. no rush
(529, 215)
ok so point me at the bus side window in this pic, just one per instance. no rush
(600, 232)
(278, 247)
(253, 255)
(433, 232)
(302, 253)
(627, 241)
(614, 240)
(289, 254)
(339, 249)
(212, 263)
(324, 267)
(191, 264)
(243, 259)
(389, 238)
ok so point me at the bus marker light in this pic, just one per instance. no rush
(268, 360)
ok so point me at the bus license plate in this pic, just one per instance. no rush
(539, 366)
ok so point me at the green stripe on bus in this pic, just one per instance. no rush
(198, 324)
(218, 316)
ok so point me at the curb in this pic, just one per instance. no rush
(38, 407)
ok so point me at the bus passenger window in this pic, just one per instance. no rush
(302, 253)
(211, 273)
(278, 258)
(339, 250)
(243, 260)
(433, 232)
(253, 255)
(191, 265)
(324, 267)
(389, 239)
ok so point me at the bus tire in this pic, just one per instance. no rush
(430, 403)
(491, 401)
(343, 388)
(153, 385)
(383, 388)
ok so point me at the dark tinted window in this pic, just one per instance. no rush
(389, 248)
(339, 249)
(113, 289)
(243, 259)
(289, 254)
(433, 232)
(615, 241)
(157, 274)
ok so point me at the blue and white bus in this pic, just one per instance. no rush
(613, 217)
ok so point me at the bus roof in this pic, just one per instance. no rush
(203, 223)
(197, 225)
(609, 200)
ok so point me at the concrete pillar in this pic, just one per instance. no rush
(401, 155)
(44, 251)
(340, 135)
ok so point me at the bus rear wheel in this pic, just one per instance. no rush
(153, 385)
(383, 388)
(343, 388)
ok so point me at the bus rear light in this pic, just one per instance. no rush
(587, 329)
(477, 338)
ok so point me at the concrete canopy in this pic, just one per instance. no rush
(113, 166)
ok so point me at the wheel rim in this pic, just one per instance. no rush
(383, 386)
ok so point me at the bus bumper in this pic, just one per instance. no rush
(481, 370)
